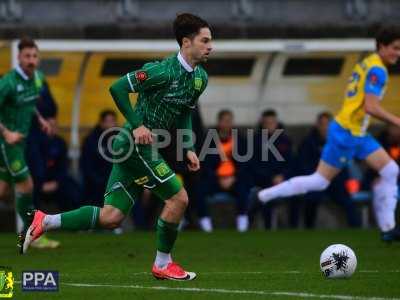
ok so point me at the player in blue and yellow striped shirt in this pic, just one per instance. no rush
(348, 137)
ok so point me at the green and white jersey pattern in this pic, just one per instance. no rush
(18, 97)
(167, 90)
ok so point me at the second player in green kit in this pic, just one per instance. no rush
(19, 91)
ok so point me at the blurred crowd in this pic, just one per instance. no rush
(223, 179)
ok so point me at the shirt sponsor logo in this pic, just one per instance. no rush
(27, 99)
(171, 99)
(174, 84)
(142, 180)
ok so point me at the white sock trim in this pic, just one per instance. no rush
(162, 259)
(51, 222)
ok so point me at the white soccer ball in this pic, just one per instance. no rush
(338, 261)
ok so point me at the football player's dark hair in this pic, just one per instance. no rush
(26, 42)
(386, 35)
(187, 25)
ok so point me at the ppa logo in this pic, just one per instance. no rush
(46, 281)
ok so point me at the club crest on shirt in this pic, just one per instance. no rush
(162, 169)
(141, 76)
(16, 165)
(198, 83)
(374, 79)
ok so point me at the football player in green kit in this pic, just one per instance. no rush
(167, 91)
(19, 90)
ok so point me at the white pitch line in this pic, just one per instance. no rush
(369, 271)
(228, 291)
(214, 273)
(266, 272)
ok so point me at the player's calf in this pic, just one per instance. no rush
(175, 207)
(83, 218)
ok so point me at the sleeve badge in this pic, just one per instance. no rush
(141, 76)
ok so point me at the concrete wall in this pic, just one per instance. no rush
(230, 18)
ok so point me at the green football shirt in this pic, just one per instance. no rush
(18, 97)
(168, 91)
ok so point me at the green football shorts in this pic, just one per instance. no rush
(13, 167)
(136, 167)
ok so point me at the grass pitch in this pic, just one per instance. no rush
(254, 265)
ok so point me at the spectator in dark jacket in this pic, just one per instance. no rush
(309, 153)
(266, 168)
(50, 170)
(47, 107)
(223, 173)
(95, 169)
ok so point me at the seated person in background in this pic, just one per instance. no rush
(269, 172)
(221, 173)
(309, 152)
(50, 172)
(95, 169)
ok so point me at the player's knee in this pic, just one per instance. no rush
(3, 188)
(321, 183)
(182, 198)
(390, 171)
(25, 187)
(318, 182)
(110, 217)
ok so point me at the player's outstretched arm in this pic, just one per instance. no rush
(151, 76)
(373, 107)
(119, 91)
